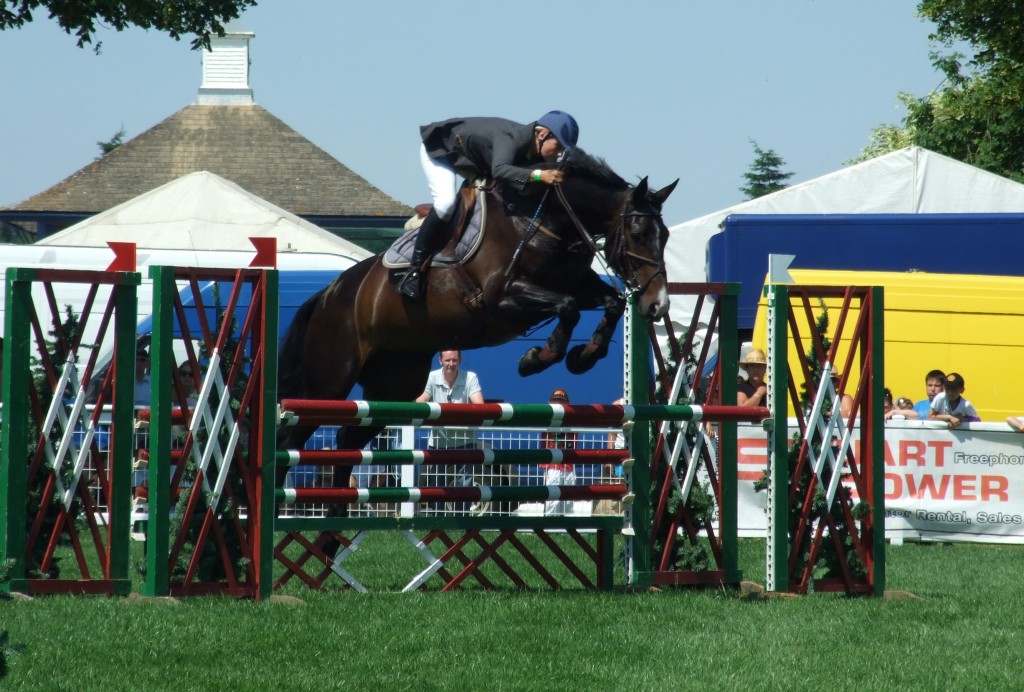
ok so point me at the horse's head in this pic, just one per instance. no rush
(630, 220)
(635, 248)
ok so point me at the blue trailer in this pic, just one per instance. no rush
(990, 244)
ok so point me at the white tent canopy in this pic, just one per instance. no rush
(908, 181)
(202, 211)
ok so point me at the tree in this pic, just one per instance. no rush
(200, 19)
(114, 142)
(975, 117)
(993, 28)
(765, 175)
(886, 138)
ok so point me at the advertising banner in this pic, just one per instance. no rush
(965, 484)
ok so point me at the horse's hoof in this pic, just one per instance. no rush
(577, 361)
(530, 363)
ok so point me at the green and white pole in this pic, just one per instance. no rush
(777, 376)
(637, 529)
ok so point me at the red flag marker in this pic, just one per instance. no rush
(266, 252)
(124, 257)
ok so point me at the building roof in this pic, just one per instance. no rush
(243, 143)
(202, 211)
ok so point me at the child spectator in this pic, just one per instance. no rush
(950, 405)
(901, 409)
(932, 386)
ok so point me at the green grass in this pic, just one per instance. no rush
(965, 631)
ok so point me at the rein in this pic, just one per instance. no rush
(530, 230)
(624, 254)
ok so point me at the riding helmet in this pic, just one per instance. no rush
(563, 126)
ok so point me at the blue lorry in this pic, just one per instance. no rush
(990, 244)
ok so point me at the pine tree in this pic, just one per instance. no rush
(765, 175)
(114, 142)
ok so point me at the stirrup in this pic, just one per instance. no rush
(411, 285)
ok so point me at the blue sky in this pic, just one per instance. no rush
(665, 88)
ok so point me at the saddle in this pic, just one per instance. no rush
(466, 229)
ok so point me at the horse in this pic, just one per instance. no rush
(533, 264)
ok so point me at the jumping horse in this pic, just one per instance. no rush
(534, 263)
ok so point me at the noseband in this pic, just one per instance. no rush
(632, 260)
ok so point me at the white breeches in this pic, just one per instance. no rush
(443, 182)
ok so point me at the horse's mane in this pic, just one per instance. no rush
(582, 165)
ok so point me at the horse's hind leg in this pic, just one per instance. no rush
(290, 437)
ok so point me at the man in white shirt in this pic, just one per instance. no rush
(451, 385)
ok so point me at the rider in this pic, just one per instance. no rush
(492, 148)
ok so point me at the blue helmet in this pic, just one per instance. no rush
(562, 125)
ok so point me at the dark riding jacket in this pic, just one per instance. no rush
(493, 148)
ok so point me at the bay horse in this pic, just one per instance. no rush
(534, 263)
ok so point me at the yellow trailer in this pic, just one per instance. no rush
(966, 323)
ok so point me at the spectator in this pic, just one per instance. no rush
(612, 473)
(142, 384)
(753, 391)
(902, 410)
(188, 385)
(451, 385)
(558, 474)
(950, 406)
(845, 400)
(616, 440)
(932, 386)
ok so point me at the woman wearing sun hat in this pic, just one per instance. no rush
(753, 390)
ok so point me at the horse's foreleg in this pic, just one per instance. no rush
(528, 302)
(583, 357)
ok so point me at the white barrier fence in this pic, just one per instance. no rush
(965, 484)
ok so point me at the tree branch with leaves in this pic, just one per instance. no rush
(177, 19)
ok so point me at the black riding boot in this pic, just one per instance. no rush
(415, 280)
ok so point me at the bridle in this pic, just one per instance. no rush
(625, 260)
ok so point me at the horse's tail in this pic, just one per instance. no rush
(290, 354)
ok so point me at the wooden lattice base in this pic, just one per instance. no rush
(492, 553)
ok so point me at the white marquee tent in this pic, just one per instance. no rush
(908, 181)
(202, 211)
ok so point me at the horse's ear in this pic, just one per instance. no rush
(661, 195)
(641, 190)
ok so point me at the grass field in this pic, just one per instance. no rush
(963, 631)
